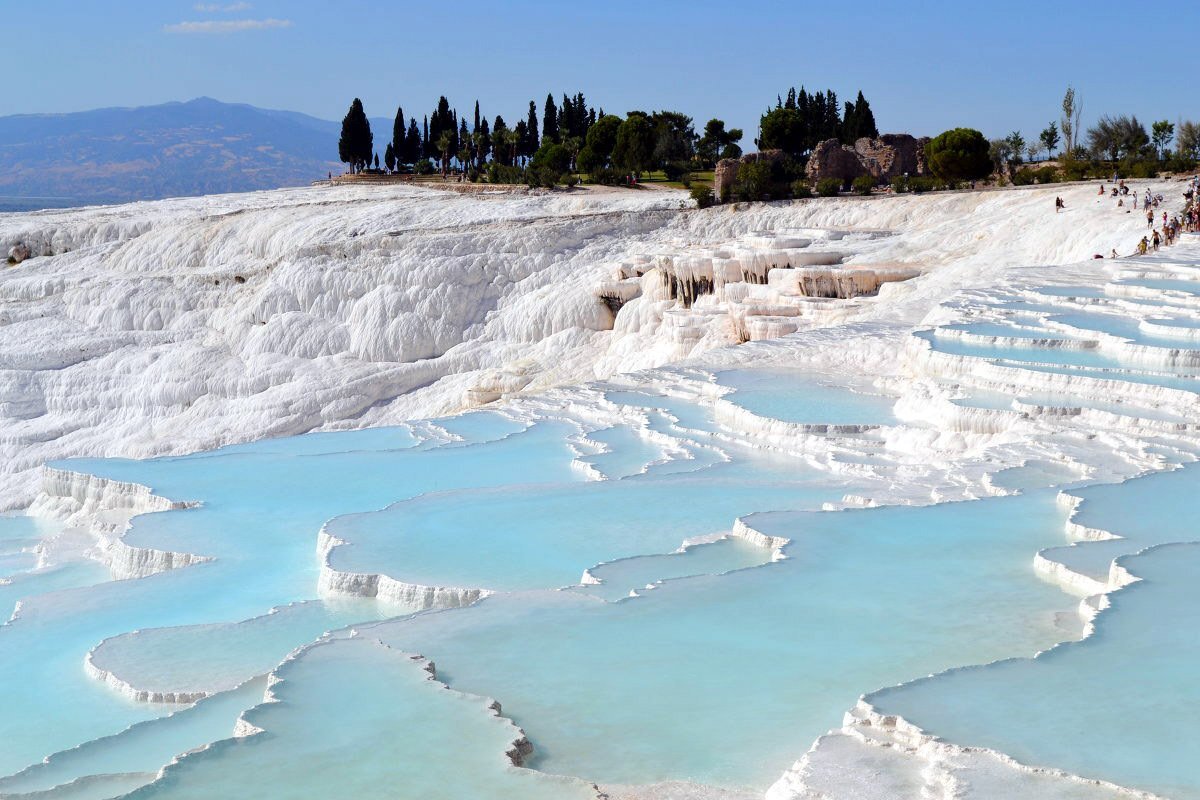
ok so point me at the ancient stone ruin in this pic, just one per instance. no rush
(889, 156)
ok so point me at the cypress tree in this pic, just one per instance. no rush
(849, 134)
(865, 118)
(411, 153)
(389, 157)
(500, 151)
(483, 145)
(476, 128)
(522, 132)
(425, 143)
(398, 131)
(531, 131)
(356, 143)
(581, 116)
(833, 115)
(550, 121)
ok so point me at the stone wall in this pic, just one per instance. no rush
(889, 156)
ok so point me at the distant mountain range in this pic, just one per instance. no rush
(203, 146)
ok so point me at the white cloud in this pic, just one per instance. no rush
(227, 25)
(217, 8)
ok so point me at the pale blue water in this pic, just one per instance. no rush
(1168, 284)
(1003, 330)
(357, 719)
(260, 516)
(1107, 707)
(757, 662)
(796, 396)
(535, 537)
(722, 668)
(1125, 327)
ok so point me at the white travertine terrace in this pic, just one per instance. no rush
(362, 307)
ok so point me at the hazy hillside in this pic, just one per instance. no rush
(202, 146)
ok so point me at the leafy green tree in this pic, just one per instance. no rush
(572, 144)
(634, 148)
(960, 154)
(602, 138)
(482, 140)
(1162, 132)
(716, 141)
(553, 157)
(1016, 145)
(1072, 109)
(588, 161)
(674, 138)
(1049, 139)
(1118, 137)
(1000, 152)
(1188, 141)
(445, 146)
(356, 143)
(784, 129)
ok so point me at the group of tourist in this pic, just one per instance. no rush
(1188, 220)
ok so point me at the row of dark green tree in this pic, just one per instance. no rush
(802, 121)
(570, 136)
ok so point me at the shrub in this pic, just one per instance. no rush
(606, 176)
(1047, 175)
(1074, 169)
(863, 184)
(921, 184)
(961, 154)
(424, 167)
(553, 157)
(753, 181)
(1024, 177)
(703, 195)
(499, 173)
(901, 184)
(676, 170)
(569, 179)
(1178, 163)
(801, 190)
(829, 187)
(1138, 169)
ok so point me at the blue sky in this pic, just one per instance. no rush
(924, 66)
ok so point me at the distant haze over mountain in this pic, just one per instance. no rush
(203, 146)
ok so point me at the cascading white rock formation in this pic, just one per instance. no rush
(180, 325)
(173, 326)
